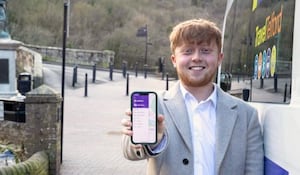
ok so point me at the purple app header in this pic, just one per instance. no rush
(140, 101)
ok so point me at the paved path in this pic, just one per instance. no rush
(92, 137)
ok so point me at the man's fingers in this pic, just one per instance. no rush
(126, 122)
(128, 112)
(138, 146)
(127, 131)
(160, 118)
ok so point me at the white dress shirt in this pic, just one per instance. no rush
(202, 117)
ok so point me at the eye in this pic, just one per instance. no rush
(205, 50)
(188, 51)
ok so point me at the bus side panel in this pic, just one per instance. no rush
(281, 128)
(295, 99)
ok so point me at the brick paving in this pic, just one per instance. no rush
(92, 138)
(91, 141)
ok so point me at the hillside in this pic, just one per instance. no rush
(108, 24)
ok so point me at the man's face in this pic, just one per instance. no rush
(196, 63)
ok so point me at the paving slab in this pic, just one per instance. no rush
(92, 127)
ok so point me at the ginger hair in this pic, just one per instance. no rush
(195, 30)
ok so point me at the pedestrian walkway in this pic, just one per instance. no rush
(92, 137)
(92, 129)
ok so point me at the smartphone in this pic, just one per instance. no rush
(144, 117)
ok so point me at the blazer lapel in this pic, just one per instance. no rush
(226, 117)
(225, 114)
(176, 107)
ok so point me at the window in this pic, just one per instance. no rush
(258, 44)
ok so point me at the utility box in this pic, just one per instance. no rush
(24, 83)
(246, 94)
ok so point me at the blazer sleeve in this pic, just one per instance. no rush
(132, 153)
(254, 156)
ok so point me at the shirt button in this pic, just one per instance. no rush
(185, 161)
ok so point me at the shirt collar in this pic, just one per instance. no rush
(212, 97)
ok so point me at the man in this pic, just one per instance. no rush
(201, 130)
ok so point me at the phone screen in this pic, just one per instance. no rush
(143, 118)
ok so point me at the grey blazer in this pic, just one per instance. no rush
(239, 142)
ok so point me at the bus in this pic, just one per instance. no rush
(261, 46)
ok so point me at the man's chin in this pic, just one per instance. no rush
(196, 83)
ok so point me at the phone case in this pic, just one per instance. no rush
(144, 117)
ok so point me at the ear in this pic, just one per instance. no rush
(220, 58)
(173, 59)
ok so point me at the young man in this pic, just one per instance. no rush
(201, 130)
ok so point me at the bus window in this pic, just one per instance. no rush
(258, 42)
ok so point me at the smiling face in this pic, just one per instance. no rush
(195, 46)
(196, 63)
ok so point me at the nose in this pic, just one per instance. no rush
(197, 56)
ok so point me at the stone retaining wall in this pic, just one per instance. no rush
(75, 56)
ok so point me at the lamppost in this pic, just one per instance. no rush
(65, 22)
(143, 32)
(146, 53)
(146, 45)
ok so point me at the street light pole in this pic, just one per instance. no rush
(143, 32)
(63, 75)
(146, 46)
(146, 54)
(68, 19)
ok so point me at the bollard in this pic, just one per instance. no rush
(127, 85)
(160, 64)
(86, 85)
(124, 68)
(167, 81)
(94, 73)
(163, 72)
(285, 92)
(111, 72)
(145, 70)
(261, 83)
(136, 69)
(275, 82)
(250, 94)
(73, 79)
(75, 73)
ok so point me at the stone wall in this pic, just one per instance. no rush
(42, 128)
(75, 56)
(29, 61)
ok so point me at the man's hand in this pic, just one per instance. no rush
(126, 123)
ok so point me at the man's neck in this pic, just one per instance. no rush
(201, 92)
